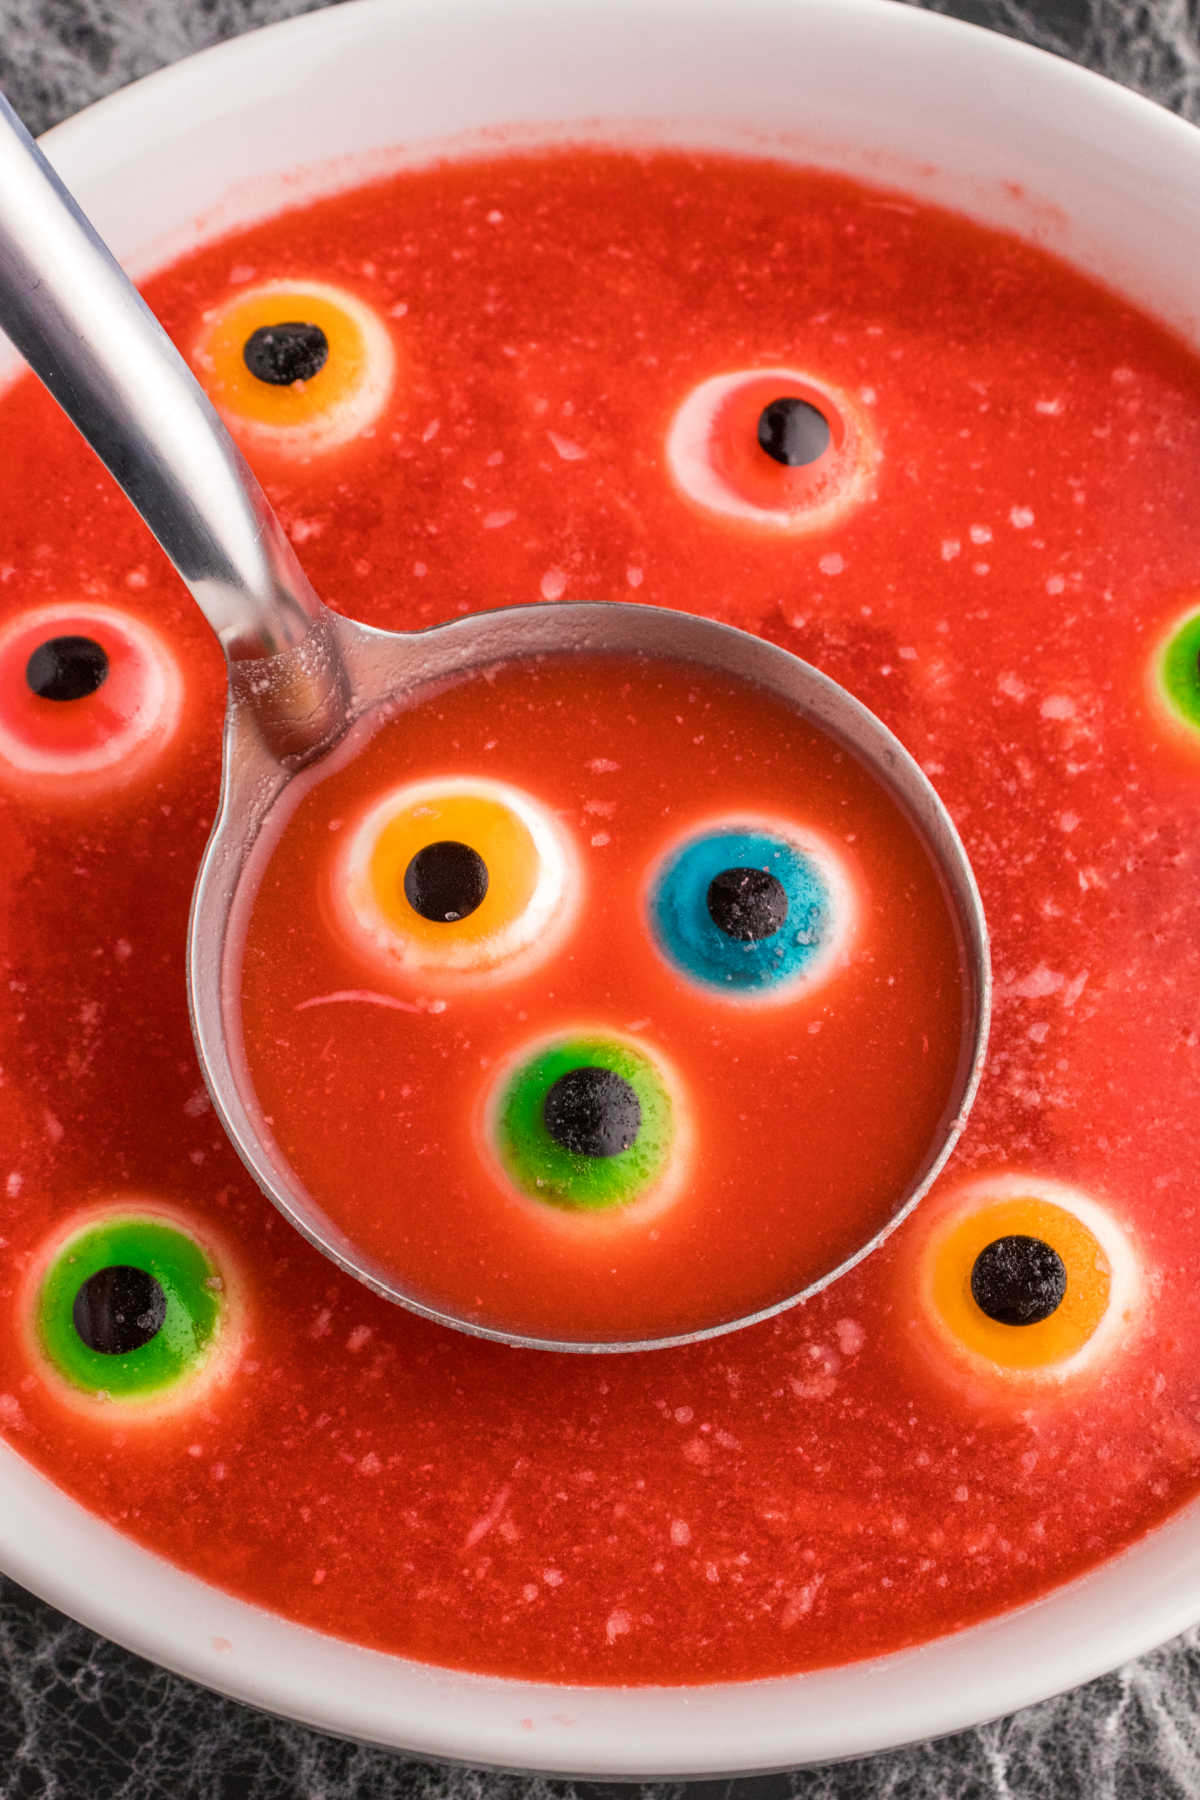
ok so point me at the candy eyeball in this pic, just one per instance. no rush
(1026, 1282)
(133, 1313)
(752, 909)
(589, 1122)
(1175, 676)
(299, 367)
(773, 448)
(89, 697)
(455, 879)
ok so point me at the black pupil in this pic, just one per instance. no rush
(281, 354)
(747, 904)
(1018, 1280)
(67, 668)
(445, 881)
(592, 1112)
(793, 432)
(117, 1310)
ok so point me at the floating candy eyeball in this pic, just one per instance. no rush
(773, 448)
(753, 909)
(456, 879)
(89, 696)
(1175, 675)
(1027, 1282)
(589, 1122)
(131, 1312)
(301, 367)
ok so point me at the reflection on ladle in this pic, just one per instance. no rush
(299, 675)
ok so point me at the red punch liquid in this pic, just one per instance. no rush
(1020, 453)
(809, 1117)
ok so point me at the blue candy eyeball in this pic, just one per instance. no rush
(752, 909)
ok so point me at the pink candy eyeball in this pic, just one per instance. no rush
(89, 698)
(773, 449)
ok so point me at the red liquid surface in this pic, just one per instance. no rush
(820, 1488)
(810, 1118)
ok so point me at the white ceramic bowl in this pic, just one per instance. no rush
(1004, 133)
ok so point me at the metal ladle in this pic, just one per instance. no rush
(300, 675)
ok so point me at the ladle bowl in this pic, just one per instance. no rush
(301, 677)
(386, 670)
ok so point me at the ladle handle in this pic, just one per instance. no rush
(83, 328)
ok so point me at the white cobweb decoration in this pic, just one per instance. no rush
(1152, 46)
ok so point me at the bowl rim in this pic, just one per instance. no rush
(83, 1566)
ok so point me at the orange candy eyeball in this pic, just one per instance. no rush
(299, 367)
(457, 878)
(89, 697)
(1025, 1282)
(773, 448)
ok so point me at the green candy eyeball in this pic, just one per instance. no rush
(131, 1309)
(587, 1123)
(1178, 672)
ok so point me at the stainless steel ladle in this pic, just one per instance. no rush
(301, 676)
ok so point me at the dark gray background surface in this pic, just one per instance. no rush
(83, 1720)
